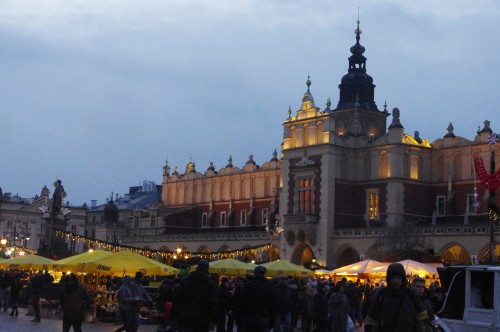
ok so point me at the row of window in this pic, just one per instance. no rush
(223, 218)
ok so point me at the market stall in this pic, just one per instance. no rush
(127, 263)
(286, 268)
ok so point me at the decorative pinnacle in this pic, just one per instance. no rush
(358, 31)
(308, 83)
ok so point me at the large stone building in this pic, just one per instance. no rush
(348, 178)
(350, 183)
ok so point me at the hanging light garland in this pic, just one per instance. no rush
(211, 256)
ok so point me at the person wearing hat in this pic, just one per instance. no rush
(396, 307)
(257, 302)
(195, 300)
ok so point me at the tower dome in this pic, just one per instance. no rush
(357, 83)
(111, 212)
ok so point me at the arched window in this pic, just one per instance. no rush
(384, 164)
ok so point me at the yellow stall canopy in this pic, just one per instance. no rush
(71, 263)
(127, 263)
(29, 261)
(286, 268)
(230, 267)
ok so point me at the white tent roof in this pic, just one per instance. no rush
(365, 266)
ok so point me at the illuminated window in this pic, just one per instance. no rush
(223, 219)
(440, 205)
(373, 206)
(204, 220)
(243, 218)
(305, 196)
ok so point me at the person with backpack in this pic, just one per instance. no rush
(396, 308)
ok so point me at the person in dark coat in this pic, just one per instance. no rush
(5, 285)
(320, 309)
(396, 308)
(37, 283)
(15, 294)
(74, 301)
(195, 300)
(257, 302)
(338, 309)
(354, 295)
(224, 298)
(306, 297)
(282, 305)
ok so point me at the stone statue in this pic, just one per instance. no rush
(57, 197)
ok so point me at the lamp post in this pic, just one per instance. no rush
(14, 236)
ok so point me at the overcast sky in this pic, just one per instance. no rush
(101, 93)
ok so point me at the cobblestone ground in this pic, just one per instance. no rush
(23, 323)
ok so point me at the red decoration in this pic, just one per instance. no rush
(489, 181)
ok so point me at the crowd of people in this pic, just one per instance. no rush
(196, 302)
(283, 304)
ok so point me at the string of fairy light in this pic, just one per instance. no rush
(166, 255)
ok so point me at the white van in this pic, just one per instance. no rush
(472, 298)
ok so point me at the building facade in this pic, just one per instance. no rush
(349, 180)
(22, 225)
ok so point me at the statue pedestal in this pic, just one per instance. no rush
(55, 247)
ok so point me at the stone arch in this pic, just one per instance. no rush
(454, 253)
(224, 247)
(271, 254)
(248, 257)
(302, 254)
(376, 251)
(164, 248)
(204, 249)
(346, 255)
(484, 254)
